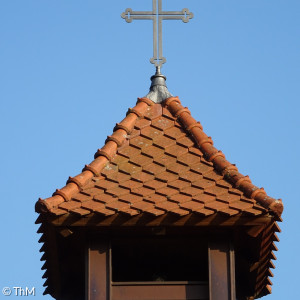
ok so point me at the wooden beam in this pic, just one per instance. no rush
(221, 270)
(158, 291)
(97, 271)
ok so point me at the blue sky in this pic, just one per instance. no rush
(69, 70)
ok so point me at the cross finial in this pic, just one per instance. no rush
(157, 15)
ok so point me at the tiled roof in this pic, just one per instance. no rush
(158, 160)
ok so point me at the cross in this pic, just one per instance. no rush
(157, 15)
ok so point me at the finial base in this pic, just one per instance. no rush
(158, 89)
(158, 78)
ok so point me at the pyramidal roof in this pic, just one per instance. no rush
(157, 161)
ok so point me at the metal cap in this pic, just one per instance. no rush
(158, 89)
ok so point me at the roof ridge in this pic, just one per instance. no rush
(102, 157)
(230, 171)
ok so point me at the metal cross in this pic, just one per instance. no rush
(157, 15)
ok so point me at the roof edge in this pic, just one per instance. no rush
(230, 171)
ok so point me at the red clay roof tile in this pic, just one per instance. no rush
(228, 198)
(180, 212)
(143, 205)
(117, 191)
(166, 176)
(252, 211)
(151, 132)
(212, 175)
(81, 197)
(129, 151)
(204, 184)
(93, 191)
(191, 191)
(143, 191)
(167, 114)
(205, 212)
(235, 192)
(129, 168)
(165, 160)
(156, 153)
(118, 159)
(81, 212)
(118, 177)
(162, 123)
(188, 159)
(190, 176)
(192, 205)
(156, 212)
(117, 205)
(140, 142)
(155, 198)
(201, 168)
(105, 198)
(204, 198)
(216, 205)
(142, 123)
(223, 183)
(105, 184)
(177, 168)
(155, 184)
(142, 176)
(239, 205)
(141, 160)
(185, 142)
(176, 150)
(179, 184)
(180, 198)
(96, 207)
(229, 211)
(153, 111)
(153, 151)
(216, 190)
(109, 169)
(196, 151)
(167, 205)
(135, 132)
(131, 184)
(131, 212)
(167, 191)
(130, 198)
(163, 142)
(154, 168)
(70, 205)
(175, 133)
